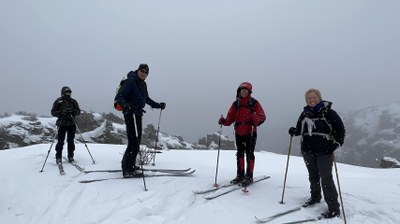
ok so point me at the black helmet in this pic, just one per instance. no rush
(65, 90)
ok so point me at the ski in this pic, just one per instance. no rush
(213, 189)
(232, 188)
(60, 168)
(139, 175)
(305, 220)
(272, 217)
(75, 164)
(145, 169)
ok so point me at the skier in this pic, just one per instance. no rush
(132, 97)
(246, 113)
(65, 108)
(322, 132)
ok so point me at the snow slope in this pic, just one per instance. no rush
(27, 196)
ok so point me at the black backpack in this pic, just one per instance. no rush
(117, 106)
(250, 104)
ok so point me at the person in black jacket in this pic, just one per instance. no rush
(322, 132)
(132, 97)
(65, 108)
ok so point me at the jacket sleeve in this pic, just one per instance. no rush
(55, 110)
(338, 129)
(231, 116)
(298, 124)
(76, 109)
(259, 111)
(152, 103)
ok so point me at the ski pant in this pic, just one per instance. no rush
(70, 131)
(245, 145)
(319, 168)
(132, 150)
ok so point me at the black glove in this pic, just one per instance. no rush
(292, 131)
(221, 121)
(162, 105)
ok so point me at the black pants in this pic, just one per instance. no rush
(70, 131)
(319, 168)
(245, 145)
(132, 150)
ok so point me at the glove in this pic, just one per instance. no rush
(292, 131)
(162, 105)
(255, 120)
(221, 121)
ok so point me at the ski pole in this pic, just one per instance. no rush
(140, 154)
(340, 192)
(155, 146)
(219, 147)
(52, 142)
(80, 133)
(287, 168)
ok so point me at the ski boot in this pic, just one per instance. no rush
(237, 180)
(311, 201)
(330, 213)
(246, 181)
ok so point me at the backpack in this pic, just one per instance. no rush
(250, 104)
(118, 106)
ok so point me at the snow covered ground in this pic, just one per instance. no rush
(27, 196)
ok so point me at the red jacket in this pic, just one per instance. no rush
(245, 118)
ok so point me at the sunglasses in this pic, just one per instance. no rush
(144, 71)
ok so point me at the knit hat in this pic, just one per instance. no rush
(144, 66)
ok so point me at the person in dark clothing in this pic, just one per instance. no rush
(322, 132)
(247, 113)
(65, 108)
(132, 97)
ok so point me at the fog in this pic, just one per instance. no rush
(198, 53)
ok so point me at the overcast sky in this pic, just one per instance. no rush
(198, 53)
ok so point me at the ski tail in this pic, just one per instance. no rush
(232, 188)
(75, 164)
(139, 175)
(272, 217)
(151, 170)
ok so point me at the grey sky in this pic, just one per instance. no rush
(198, 53)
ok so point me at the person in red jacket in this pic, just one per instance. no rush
(246, 113)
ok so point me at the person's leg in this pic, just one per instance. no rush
(310, 161)
(60, 141)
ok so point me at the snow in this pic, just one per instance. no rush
(27, 196)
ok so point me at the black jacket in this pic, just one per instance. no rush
(321, 129)
(133, 95)
(63, 108)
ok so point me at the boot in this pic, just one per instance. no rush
(247, 180)
(331, 213)
(240, 170)
(238, 179)
(311, 201)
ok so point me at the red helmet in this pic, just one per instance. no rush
(244, 85)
